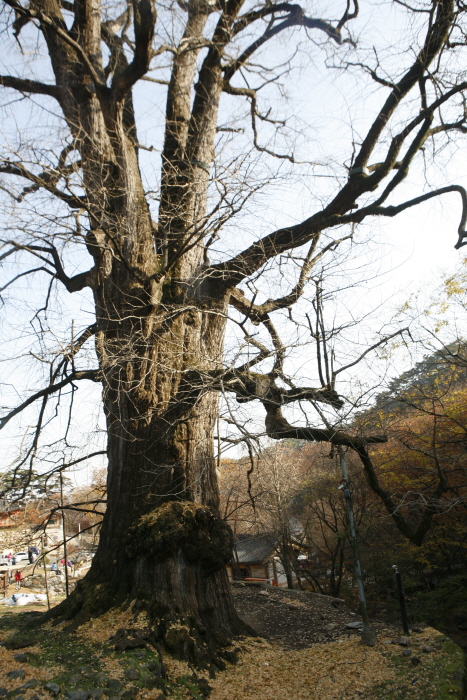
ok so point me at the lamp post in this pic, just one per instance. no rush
(368, 635)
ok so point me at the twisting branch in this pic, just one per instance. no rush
(263, 354)
(414, 535)
(295, 18)
(375, 210)
(348, 14)
(251, 95)
(278, 428)
(249, 386)
(277, 370)
(293, 11)
(257, 312)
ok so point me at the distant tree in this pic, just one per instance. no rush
(21, 486)
(421, 472)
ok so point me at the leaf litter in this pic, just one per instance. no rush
(339, 667)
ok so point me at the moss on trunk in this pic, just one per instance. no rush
(174, 578)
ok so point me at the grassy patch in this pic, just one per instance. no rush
(439, 676)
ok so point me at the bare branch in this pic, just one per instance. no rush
(72, 284)
(91, 374)
(416, 536)
(348, 14)
(18, 169)
(29, 86)
(296, 17)
(254, 257)
(23, 274)
(369, 349)
(63, 467)
(251, 95)
(263, 354)
(278, 428)
(257, 312)
(394, 210)
(436, 37)
(249, 386)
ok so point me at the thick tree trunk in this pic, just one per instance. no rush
(163, 546)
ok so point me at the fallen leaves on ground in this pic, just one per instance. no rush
(8, 663)
(345, 668)
(285, 667)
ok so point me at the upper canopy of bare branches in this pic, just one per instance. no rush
(149, 239)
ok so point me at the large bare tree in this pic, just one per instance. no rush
(161, 306)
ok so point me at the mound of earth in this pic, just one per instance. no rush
(296, 619)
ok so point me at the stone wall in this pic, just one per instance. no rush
(15, 539)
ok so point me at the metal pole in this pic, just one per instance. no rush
(368, 636)
(400, 593)
(64, 537)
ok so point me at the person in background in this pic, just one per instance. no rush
(13, 560)
(18, 579)
(33, 553)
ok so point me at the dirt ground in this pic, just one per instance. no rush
(296, 620)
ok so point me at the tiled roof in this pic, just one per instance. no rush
(251, 549)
